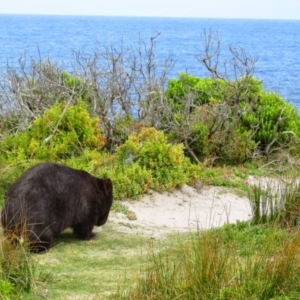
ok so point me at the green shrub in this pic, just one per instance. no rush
(52, 137)
(237, 150)
(275, 121)
(228, 120)
(77, 86)
(123, 128)
(199, 140)
(6, 288)
(131, 181)
(150, 149)
(208, 115)
(202, 90)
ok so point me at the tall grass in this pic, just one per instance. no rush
(215, 265)
(276, 201)
(17, 268)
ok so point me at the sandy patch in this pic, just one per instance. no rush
(185, 209)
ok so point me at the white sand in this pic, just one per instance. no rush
(185, 209)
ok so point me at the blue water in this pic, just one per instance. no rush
(275, 44)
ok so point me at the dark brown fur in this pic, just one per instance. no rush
(50, 197)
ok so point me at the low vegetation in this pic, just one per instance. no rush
(17, 269)
(234, 262)
(258, 259)
(117, 115)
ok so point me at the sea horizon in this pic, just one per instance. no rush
(274, 43)
(149, 17)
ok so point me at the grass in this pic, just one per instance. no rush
(89, 269)
(241, 261)
(249, 260)
(117, 206)
(17, 269)
(227, 263)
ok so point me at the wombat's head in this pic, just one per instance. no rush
(106, 187)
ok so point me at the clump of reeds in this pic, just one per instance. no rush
(276, 201)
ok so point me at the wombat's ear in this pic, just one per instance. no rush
(108, 186)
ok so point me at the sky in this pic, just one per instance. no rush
(253, 9)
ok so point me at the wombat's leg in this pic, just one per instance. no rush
(84, 231)
(41, 243)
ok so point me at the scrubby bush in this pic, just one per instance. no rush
(275, 122)
(200, 141)
(206, 116)
(150, 149)
(187, 86)
(61, 131)
(228, 121)
(76, 86)
(131, 181)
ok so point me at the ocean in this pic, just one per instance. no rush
(275, 44)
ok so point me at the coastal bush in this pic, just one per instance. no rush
(275, 122)
(238, 149)
(199, 139)
(76, 87)
(199, 90)
(61, 131)
(131, 181)
(150, 149)
(124, 126)
(206, 116)
(228, 121)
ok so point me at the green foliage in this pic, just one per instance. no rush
(237, 150)
(75, 130)
(209, 112)
(201, 89)
(131, 181)
(123, 128)
(227, 120)
(199, 139)
(77, 86)
(224, 176)
(276, 119)
(6, 288)
(150, 149)
(92, 161)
